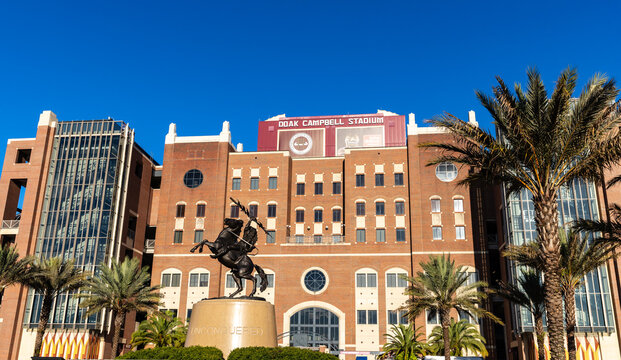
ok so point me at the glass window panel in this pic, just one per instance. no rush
(379, 179)
(273, 183)
(361, 280)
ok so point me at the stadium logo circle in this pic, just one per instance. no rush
(300, 143)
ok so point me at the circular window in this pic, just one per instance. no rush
(193, 178)
(446, 171)
(315, 281)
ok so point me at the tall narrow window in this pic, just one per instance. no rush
(380, 208)
(360, 209)
(437, 232)
(360, 236)
(458, 205)
(200, 210)
(336, 215)
(254, 183)
(180, 210)
(336, 187)
(198, 236)
(400, 235)
(380, 235)
(273, 183)
(460, 232)
(362, 317)
(398, 179)
(372, 317)
(299, 216)
(299, 189)
(392, 317)
(435, 205)
(399, 208)
(178, 239)
(359, 180)
(234, 211)
(379, 179)
(253, 210)
(271, 210)
(236, 184)
(271, 236)
(318, 215)
(318, 188)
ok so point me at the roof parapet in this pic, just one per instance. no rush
(47, 118)
(172, 138)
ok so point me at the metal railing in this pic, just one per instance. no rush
(316, 239)
(10, 224)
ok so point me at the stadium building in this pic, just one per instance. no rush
(348, 202)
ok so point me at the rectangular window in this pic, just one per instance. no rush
(253, 210)
(361, 280)
(271, 210)
(371, 280)
(299, 189)
(178, 239)
(437, 232)
(399, 208)
(392, 317)
(432, 317)
(318, 215)
(380, 235)
(463, 315)
(198, 236)
(271, 236)
(236, 184)
(336, 188)
(270, 280)
(398, 179)
(254, 183)
(317, 239)
(360, 209)
(435, 205)
(336, 215)
(403, 317)
(359, 180)
(299, 216)
(165, 280)
(299, 239)
(379, 179)
(400, 235)
(460, 232)
(180, 211)
(362, 317)
(391, 280)
(193, 280)
(234, 211)
(188, 315)
(200, 210)
(273, 183)
(318, 188)
(175, 280)
(380, 209)
(360, 235)
(401, 281)
(372, 317)
(230, 283)
(458, 205)
(203, 280)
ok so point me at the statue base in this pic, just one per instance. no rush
(231, 323)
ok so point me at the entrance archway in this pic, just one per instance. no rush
(314, 326)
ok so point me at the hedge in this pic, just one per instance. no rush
(172, 353)
(279, 353)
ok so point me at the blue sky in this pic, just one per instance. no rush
(198, 63)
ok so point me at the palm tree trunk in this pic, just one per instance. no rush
(118, 322)
(570, 320)
(546, 219)
(445, 321)
(540, 337)
(46, 309)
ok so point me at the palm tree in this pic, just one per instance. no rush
(463, 338)
(12, 269)
(121, 288)
(404, 343)
(160, 330)
(577, 259)
(544, 144)
(50, 278)
(610, 229)
(441, 287)
(528, 292)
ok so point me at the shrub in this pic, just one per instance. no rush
(189, 353)
(279, 353)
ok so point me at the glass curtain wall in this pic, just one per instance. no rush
(577, 200)
(78, 213)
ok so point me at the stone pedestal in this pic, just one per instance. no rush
(232, 323)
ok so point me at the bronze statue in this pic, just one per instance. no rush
(232, 251)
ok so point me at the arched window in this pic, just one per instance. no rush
(312, 327)
(171, 278)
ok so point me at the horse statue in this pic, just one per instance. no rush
(231, 250)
